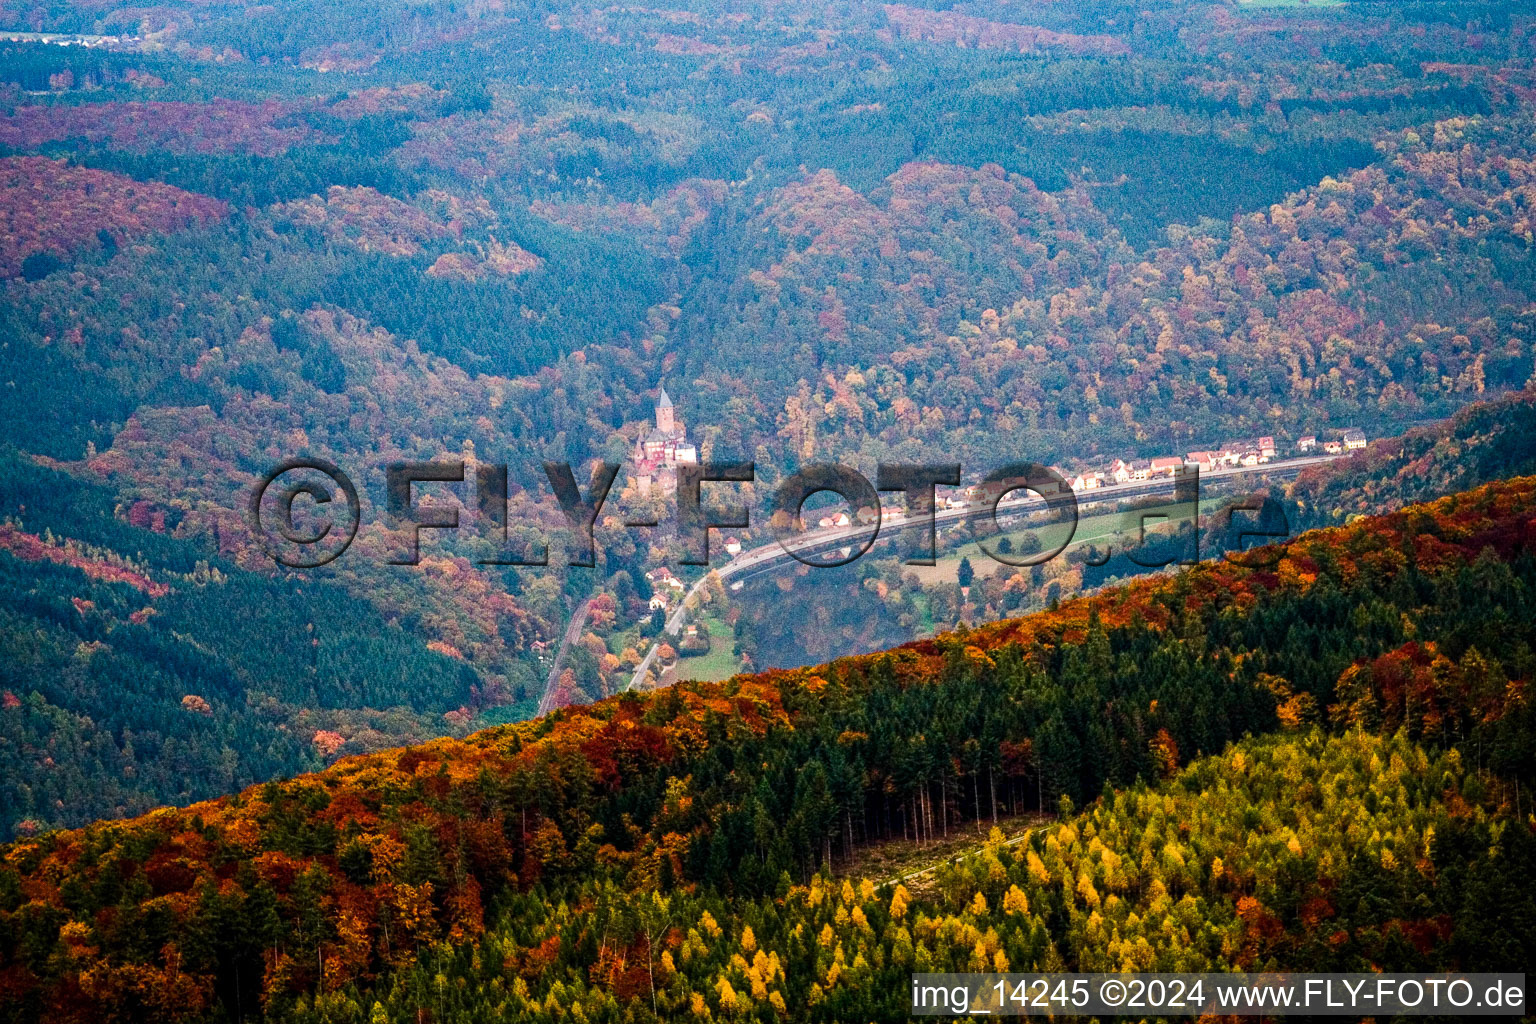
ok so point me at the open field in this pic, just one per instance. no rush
(1090, 530)
(914, 864)
(719, 663)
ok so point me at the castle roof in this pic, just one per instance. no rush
(663, 401)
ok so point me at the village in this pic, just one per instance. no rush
(1230, 454)
(659, 452)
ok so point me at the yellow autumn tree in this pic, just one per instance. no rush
(729, 1001)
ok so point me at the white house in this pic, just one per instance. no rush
(1204, 461)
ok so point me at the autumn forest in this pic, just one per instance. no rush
(514, 233)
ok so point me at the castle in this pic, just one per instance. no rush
(659, 452)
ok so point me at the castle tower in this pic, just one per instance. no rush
(664, 420)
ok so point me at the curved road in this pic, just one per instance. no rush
(768, 556)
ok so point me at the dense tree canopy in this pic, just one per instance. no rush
(568, 849)
(488, 233)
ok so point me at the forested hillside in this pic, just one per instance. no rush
(879, 601)
(1485, 441)
(667, 854)
(140, 671)
(231, 234)
(1071, 344)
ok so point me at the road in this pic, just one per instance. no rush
(572, 632)
(769, 556)
(645, 666)
(673, 627)
(772, 552)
